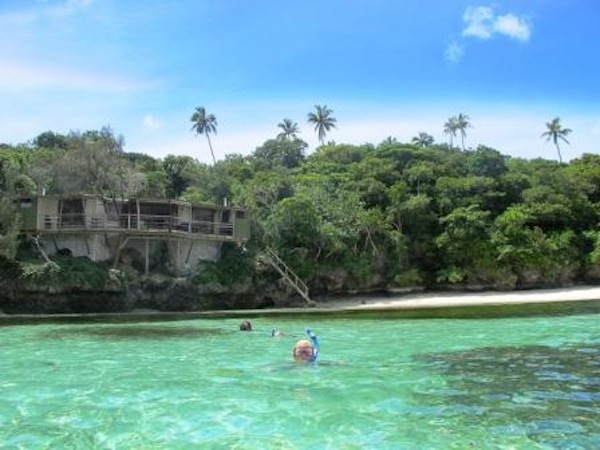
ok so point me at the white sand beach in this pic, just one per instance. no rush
(423, 304)
(459, 299)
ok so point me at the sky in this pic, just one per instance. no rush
(387, 68)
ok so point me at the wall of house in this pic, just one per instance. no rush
(94, 246)
(47, 212)
(184, 255)
(95, 213)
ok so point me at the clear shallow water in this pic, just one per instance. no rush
(519, 383)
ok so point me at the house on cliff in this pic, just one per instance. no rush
(146, 231)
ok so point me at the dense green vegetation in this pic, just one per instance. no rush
(374, 215)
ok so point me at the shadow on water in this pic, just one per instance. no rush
(134, 332)
(551, 395)
(83, 319)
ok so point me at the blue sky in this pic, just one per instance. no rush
(385, 67)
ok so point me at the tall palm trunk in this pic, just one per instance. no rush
(211, 149)
(558, 149)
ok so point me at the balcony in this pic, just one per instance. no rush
(139, 224)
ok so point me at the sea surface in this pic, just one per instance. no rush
(379, 383)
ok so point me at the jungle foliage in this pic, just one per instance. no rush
(391, 214)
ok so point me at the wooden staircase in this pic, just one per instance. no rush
(288, 274)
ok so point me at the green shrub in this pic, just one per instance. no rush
(235, 265)
(408, 278)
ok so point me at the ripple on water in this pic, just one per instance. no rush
(385, 384)
(551, 393)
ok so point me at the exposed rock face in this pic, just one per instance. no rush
(178, 294)
(592, 274)
(336, 282)
(64, 303)
(159, 293)
(164, 293)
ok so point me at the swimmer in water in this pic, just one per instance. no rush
(246, 326)
(307, 350)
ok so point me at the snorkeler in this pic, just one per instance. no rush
(246, 326)
(305, 350)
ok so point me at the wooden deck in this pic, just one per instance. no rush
(142, 225)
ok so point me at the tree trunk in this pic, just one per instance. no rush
(211, 149)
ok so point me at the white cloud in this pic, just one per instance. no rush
(454, 53)
(151, 123)
(20, 76)
(30, 16)
(482, 22)
(479, 22)
(513, 27)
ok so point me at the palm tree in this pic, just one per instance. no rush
(462, 123)
(205, 124)
(322, 121)
(450, 129)
(423, 139)
(555, 132)
(289, 127)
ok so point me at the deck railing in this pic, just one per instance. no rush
(136, 222)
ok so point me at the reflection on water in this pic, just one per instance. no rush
(551, 395)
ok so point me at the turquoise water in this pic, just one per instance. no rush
(518, 383)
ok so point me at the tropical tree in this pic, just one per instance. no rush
(10, 224)
(51, 140)
(462, 123)
(423, 139)
(95, 163)
(556, 132)
(322, 120)
(289, 129)
(177, 170)
(205, 124)
(450, 128)
(279, 152)
(464, 243)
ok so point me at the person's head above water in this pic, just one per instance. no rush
(246, 326)
(304, 351)
(307, 350)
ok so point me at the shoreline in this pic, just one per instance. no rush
(573, 300)
(447, 299)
